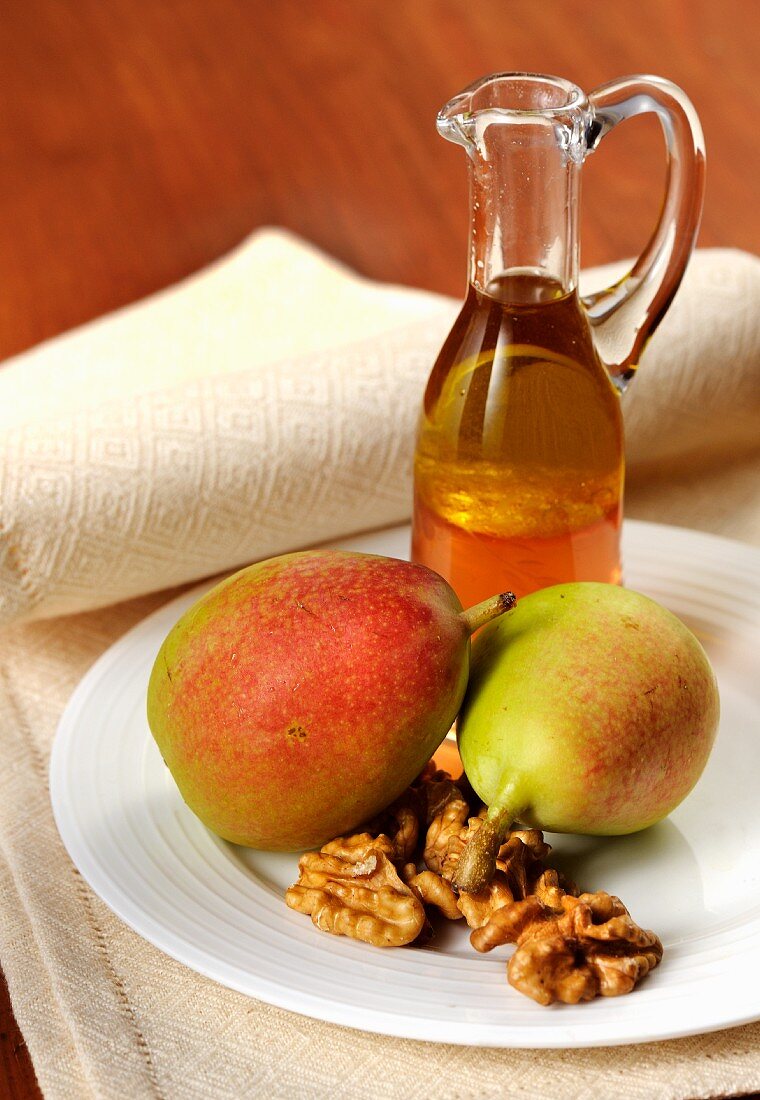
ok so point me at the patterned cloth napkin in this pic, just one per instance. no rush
(228, 419)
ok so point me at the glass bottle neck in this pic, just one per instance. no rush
(524, 196)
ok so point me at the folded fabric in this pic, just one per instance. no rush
(271, 401)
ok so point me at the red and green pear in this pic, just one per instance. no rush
(299, 697)
(590, 709)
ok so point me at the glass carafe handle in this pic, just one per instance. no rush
(624, 316)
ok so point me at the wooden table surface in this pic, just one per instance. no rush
(143, 138)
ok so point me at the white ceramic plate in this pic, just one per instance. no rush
(219, 909)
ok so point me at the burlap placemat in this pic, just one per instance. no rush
(103, 1012)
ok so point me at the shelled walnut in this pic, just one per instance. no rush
(402, 822)
(444, 830)
(357, 894)
(431, 889)
(586, 947)
(519, 872)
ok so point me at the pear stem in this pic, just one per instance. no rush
(489, 609)
(477, 863)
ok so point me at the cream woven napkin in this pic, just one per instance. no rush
(194, 432)
(272, 400)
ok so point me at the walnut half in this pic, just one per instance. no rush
(584, 947)
(431, 889)
(357, 892)
(520, 872)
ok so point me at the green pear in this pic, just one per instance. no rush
(590, 709)
(300, 696)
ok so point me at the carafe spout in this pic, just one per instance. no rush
(456, 123)
(525, 138)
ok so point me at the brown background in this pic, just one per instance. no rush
(143, 138)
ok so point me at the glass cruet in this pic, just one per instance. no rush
(519, 464)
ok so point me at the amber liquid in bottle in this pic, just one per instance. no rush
(519, 461)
